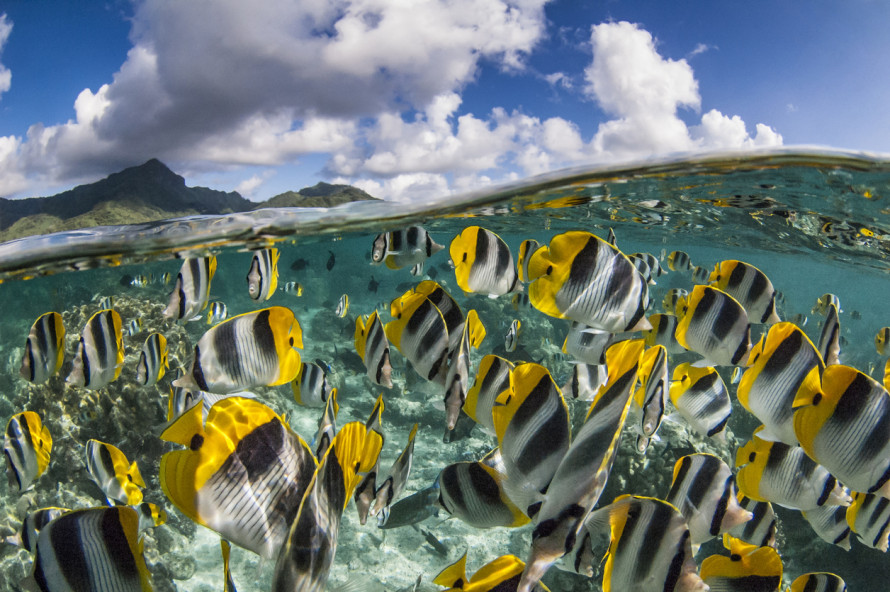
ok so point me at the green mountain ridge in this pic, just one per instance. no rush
(147, 193)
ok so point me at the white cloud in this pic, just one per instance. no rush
(249, 186)
(700, 48)
(5, 74)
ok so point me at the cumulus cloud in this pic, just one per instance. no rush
(5, 74)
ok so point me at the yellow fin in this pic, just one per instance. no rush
(453, 576)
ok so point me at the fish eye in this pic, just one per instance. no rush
(752, 456)
(549, 270)
(464, 258)
(291, 341)
(817, 398)
(735, 557)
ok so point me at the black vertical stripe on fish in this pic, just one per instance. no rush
(412, 237)
(757, 288)
(198, 371)
(64, 542)
(736, 277)
(551, 432)
(727, 314)
(115, 540)
(676, 567)
(32, 363)
(87, 378)
(722, 507)
(97, 330)
(483, 244)
(395, 241)
(107, 464)
(15, 471)
(829, 486)
(719, 427)
(226, 348)
(179, 288)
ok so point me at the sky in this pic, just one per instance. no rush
(409, 99)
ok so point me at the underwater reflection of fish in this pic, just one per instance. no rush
(44, 348)
(192, 289)
(262, 278)
(96, 549)
(27, 445)
(248, 350)
(118, 478)
(100, 353)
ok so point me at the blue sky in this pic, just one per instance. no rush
(408, 99)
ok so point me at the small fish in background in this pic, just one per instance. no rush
(342, 306)
(882, 338)
(818, 582)
(373, 285)
(586, 381)
(134, 327)
(642, 265)
(165, 278)
(395, 478)
(262, 278)
(784, 475)
(652, 264)
(663, 332)
(118, 479)
(701, 397)
(671, 298)
(141, 281)
(152, 360)
(679, 261)
(373, 348)
(799, 319)
(748, 568)
(511, 340)
(520, 301)
(824, 302)
(252, 349)
(401, 248)
(311, 387)
(92, 549)
(332, 260)
(191, 290)
(226, 548)
(526, 250)
(700, 274)
(293, 288)
(106, 302)
(580, 277)
(830, 339)
(299, 264)
(150, 515)
(483, 263)
(217, 312)
(715, 326)
(100, 353)
(33, 523)
(44, 348)
(27, 445)
(855, 315)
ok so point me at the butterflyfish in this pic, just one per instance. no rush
(44, 348)
(846, 428)
(395, 479)
(226, 549)
(134, 327)
(830, 336)
(27, 445)
(652, 394)
(420, 333)
(311, 386)
(327, 425)
(483, 263)
(97, 549)
(882, 338)
(247, 350)
(781, 365)
(869, 517)
(761, 529)
(679, 261)
(585, 381)
(457, 378)
(714, 325)
(785, 475)
(152, 360)
(511, 339)
(100, 352)
(702, 399)
(342, 306)
(403, 248)
(824, 303)
(366, 490)
(830, 524)
(700, 274)
(150, 515)
(373, 348)
(588, 345)
(526, 249)
(33, 524)
(217, 312)
(748, 568)
(672, 298)
(492, 378)
(663, 331)
(192, 289)
(499, 575)
(262, 278)
(118, 478)
(818, 582)
(447, 305)
(242, 474)
(703, 489)
(750, 287)
(581, 277)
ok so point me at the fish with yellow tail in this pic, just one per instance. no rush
(152, 360)
(785, 475)
(499, 575)
(150, 515)
(404, 248)
(252, 349)
(420, 333)
(305, 560)
(217, 312)
(583, 471)
(118, 478)
(246, 498)
(580, 277)
(846, 428)
(702, 399)
(679, 261)
(191, 291)
(750, 287)
(100, 353)
(703, 490)
(782, 365)
(27, 445)
(96, 549)
(262, 278)
(373, 348)
(824, 302)
(226, 549)
(457, 379)
(483, 263)
(44, 348)
(747, 569)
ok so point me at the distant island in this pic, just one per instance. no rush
(147, 193)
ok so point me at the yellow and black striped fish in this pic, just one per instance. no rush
(679, 261)
(457, 379)
(829, 339)
(118, 478)
(583, 278)
(652, 395)
(585, 381)
(662, 332)
(262, 278)
(830, 524)
(192, 289)
(420, 333)
(818, 582)
(27, 445)
(403, 248)
(100, 353)
(882, 338)
(33, 524)
(311, 387)
(152, 360)
(526, 249)
(373, 348)
(492, 378)
(701, 397)
(483, 263)
(750, 287)
(499, 575)
(44, 348)
(248, 350)
(714, 325)
(761, 529)
(869, 517)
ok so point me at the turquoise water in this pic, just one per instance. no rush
(813, 222)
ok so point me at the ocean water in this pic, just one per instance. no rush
(814, 222)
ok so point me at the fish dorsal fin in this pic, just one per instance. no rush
(186, 427)
(362, 328)
(135, 475)
(453, 576)
(376, 416)
(474, 328)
